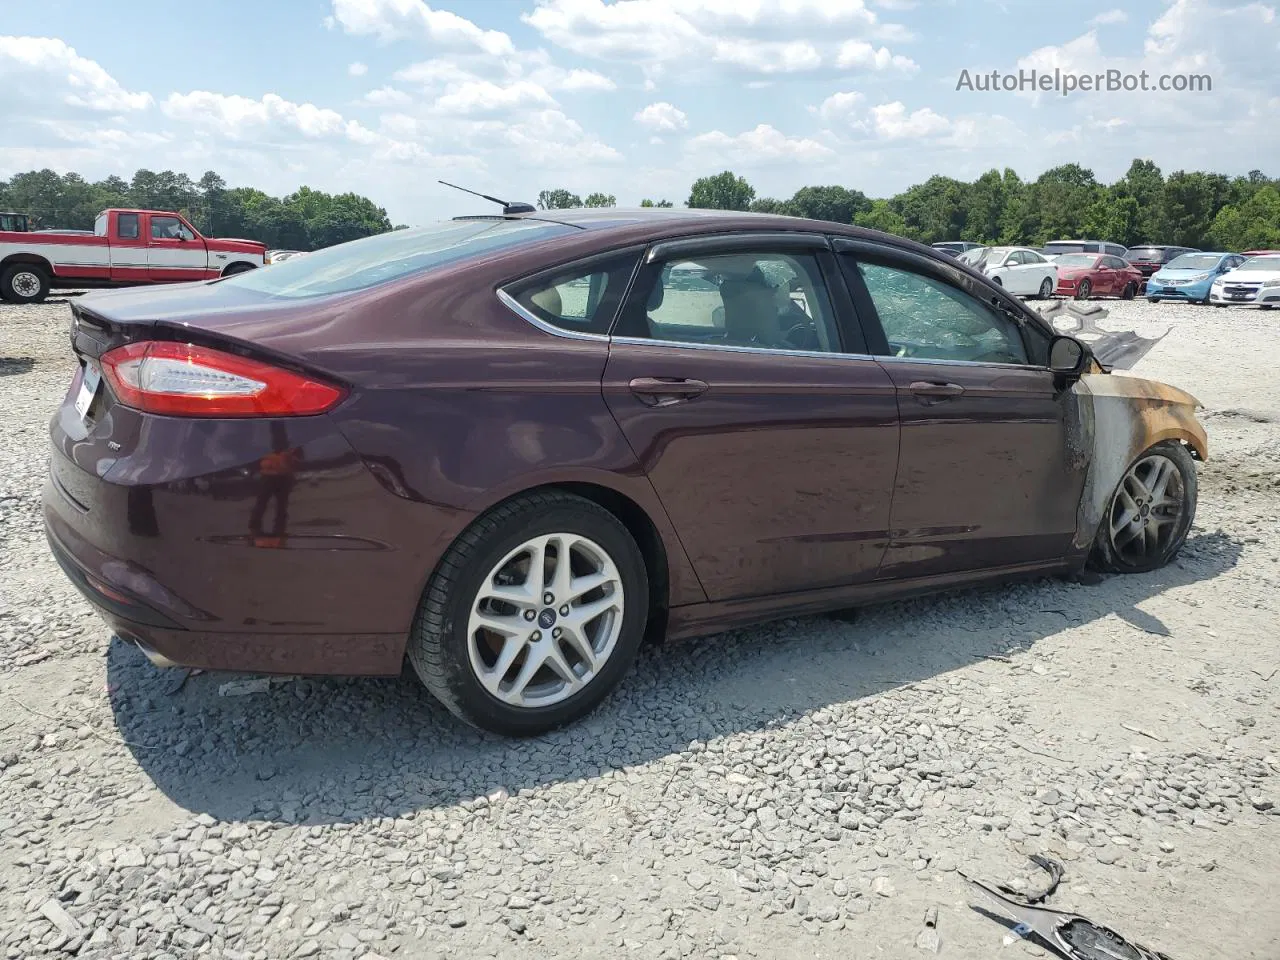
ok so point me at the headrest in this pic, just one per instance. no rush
(656, 296)
(548, 300)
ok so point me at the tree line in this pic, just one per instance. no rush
(1185, 208)
(304, 220)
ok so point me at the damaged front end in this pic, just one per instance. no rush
(1113, 418)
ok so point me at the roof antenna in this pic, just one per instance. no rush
(508, 209)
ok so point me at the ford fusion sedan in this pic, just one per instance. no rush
(1019, 270)
(1190, 276)
(510, 448)
(1254, 282)
(1086, 275)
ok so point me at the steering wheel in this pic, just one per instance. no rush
(803, 336)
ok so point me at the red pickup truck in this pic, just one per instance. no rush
(126, 247)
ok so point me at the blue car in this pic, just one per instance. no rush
(1190, 276)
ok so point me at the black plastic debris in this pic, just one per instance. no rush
(1069, 935)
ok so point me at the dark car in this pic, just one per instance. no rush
(512, 446)
(1086, 275)
(1150, 257)
(955, 247)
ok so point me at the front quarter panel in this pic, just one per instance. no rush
(1121, 416)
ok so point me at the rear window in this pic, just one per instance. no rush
(1077, 260)
(1052, 249)
(370, 261)
(1146, 253)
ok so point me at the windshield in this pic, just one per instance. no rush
(1261, 263)
(975, 255)
(1056, 248)
(388, 256)
(1194, 261)
(1145, 253)
(1077, 260)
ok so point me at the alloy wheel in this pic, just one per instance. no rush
(545, 620)
(1147, 507)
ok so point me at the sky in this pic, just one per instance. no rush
(634, 98)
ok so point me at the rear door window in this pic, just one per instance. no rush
(127, 226)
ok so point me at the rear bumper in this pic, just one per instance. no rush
(167, 643)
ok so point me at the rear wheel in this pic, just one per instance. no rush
(1150, 512)
(1046, 289)
(1083, 291)
(24, 283)
(533, 616)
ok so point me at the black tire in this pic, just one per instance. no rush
(1153, 299)
(24, 283)
(235, 268)
(1130, 291)
(438, 648)
(1267, 306)
(997, 281)
(1083, 291)
(1106, 557)
(1046, 288)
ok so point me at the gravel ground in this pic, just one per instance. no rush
(806, 789)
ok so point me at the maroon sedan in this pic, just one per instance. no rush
(509, 447)
(1085, 275)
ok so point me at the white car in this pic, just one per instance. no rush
(1020, 270)
(1255, 281)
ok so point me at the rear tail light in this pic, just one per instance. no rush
(182, 380)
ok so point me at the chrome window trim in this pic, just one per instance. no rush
(965, 363)
(734, 348)
(515, 307)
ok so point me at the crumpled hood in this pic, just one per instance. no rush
(1113, 349)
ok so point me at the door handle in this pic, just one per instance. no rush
(927, 391)
(666, 390)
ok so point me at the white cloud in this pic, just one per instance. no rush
(357, 69)
(759, 36)
(387, 97)
(764, 144)
(238, 117)
(858, 54)
(392, 19)
(891, 121)
(838, 106)
(46, 67)
(662, 116)
(1110, 16)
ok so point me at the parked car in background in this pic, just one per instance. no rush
(14, 222)
(1256, 281)
(280, 256)
(289, 471)
(1190, 276)
(955, 247)
(1019, 270)
(1260, 253)
(1057, 248)
(126, 248)
(1085, 275)
(1150, 257)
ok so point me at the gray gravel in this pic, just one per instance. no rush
(809, 788)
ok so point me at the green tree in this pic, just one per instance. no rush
(646, 202)
(1145, 184)
(1191, 202)
(836, 204)
(882, 217)
(724, 191)
(558, 200)
(1253, 225)
(600, 200)
(771, 205)
(934, 210)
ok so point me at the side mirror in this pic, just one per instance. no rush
(1066, 356)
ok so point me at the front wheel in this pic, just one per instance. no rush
(235, 268)
(1130, 291)
(1083, 291)
(1150, 512)
(1046, 289)
(533, 616)
(24, 283)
